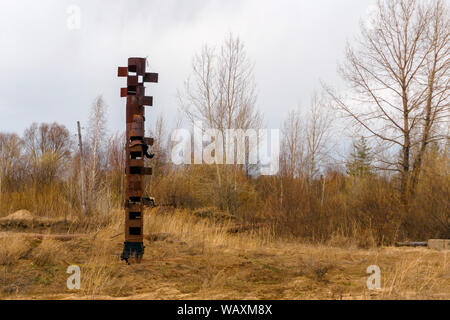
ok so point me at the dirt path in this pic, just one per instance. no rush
(42, 236)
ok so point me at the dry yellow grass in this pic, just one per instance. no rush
(12, 249)
(47, 253)
(195, 258)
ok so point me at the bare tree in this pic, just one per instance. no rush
(115, 151)
(96, 135)
(115, 166)
(43, 138)
(159, 150)
(317, 133)
(292, 151)
(160, 145)
(436, 80)
(306, 138)
(398, 79)
(48, 149)
(10, 154)
(293, 146)
(221, 90)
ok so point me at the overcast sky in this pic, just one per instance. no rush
(51, 73)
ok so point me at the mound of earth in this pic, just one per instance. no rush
(19, 215)
(24, 219)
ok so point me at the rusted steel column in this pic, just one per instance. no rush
(136, 149)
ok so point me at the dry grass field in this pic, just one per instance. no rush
(192, 257)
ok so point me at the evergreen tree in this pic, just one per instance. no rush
(360, 163)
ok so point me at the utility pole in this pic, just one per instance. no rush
(1, 166)
(83, 190)
(2, 149)
(136, 149)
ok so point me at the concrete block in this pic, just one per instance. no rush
(439, 244)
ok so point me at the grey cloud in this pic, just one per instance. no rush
(49, 73)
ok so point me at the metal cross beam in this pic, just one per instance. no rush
(136, 149)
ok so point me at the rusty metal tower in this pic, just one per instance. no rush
(136, 149)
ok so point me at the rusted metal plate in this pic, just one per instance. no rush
(150, 77)
(135, 185)
(137, 129)
(136, 163)
(137, 65)
(135, 193)
(122, 72)
(146, 100)
(137, 148)
(132, 110)
(132, 81)
(133, 238)
(140, 91)
(131, 101)
(134, 143)
(133, 207)
(136, 178)
(135, 223)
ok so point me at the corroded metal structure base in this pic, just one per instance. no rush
(136, 149)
